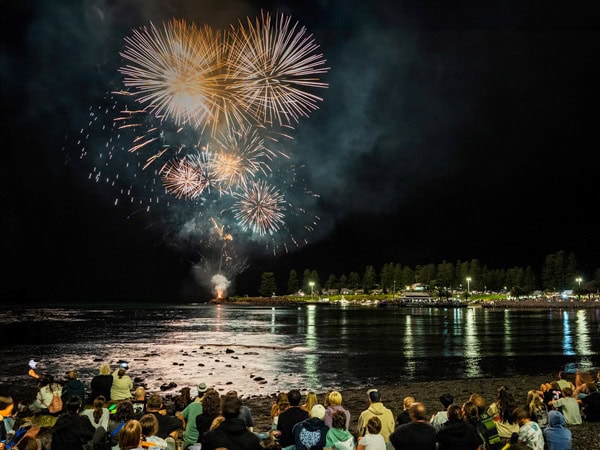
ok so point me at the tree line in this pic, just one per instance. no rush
(559, 272)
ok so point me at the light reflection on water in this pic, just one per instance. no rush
(316, 347)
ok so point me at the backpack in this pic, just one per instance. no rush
(56, 404)
(486, 429)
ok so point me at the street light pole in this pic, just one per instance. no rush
(394, 291)
(468, 285)
(312, 288)
(578, 279)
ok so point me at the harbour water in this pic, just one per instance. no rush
(262, 350)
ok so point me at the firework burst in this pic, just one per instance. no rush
(272, 63)
(177, 72)
(240, 156)
(259, 208)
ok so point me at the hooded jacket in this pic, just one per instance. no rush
(385, 415)
(337, 435)
(556, 435)
(310, 434)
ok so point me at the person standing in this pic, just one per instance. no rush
(376, 408)
(419, 434)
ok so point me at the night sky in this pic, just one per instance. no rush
(446, 133)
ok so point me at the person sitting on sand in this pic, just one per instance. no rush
(419, 434)
(404, 416)
(48, 389)
(475, 413)
(130, 437)
(71, 430)
(311, 400)
(232, 432)
(281, 404)
(122, 384)
(334, 400)
(311, 433)
(556, 435)
(376, 408)
(530, 433)
(590, 405)
(440, 417)
(563, 382)
(167, 424)
(101, 383)
(538, 411)
(149, 429)
(289, 418)
(123, 414)
(189, 414)
(502, 412)
(139, 402)
(211, 408)
(338, 437)
(582, 378)
(98, 414)
(372, 440)
(456, 433)
(73, 386)
(245, 413)
(568, 406)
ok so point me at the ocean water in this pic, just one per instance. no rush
(264, 350)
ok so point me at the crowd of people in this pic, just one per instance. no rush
(112, 414)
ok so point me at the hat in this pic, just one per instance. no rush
(32, 363)
(202, 388)
(318, 411)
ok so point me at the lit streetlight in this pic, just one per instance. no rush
(312, 288)
(468, 285)
(394, 291)
(579, 280)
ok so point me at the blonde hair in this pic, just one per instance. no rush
(104, 369)
(534, 401)
(311, 400)
(334, 398)
(407, 401)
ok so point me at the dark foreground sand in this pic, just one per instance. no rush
(585, 436)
